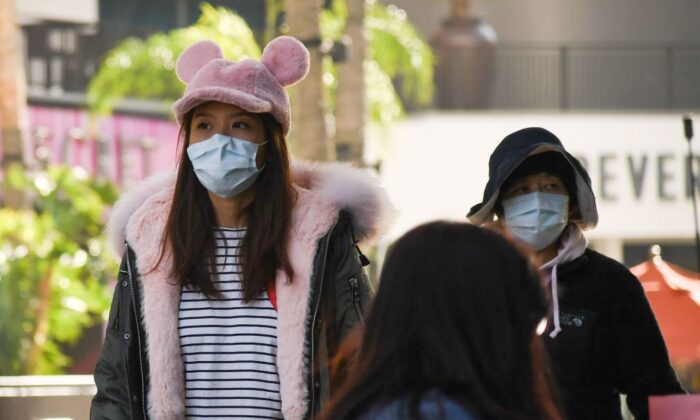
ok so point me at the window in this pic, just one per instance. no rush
(37, 71)
(54, 40)
(62, 40)
(56, 71)
(70, 41)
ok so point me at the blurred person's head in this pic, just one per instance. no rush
(536, 188)
(456, 311)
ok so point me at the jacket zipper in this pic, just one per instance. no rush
(355, 288)
(313, 323)
(138, 334)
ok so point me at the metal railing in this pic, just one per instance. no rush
(46, 397)
(596, 77)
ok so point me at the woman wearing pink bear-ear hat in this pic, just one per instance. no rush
(240, 272)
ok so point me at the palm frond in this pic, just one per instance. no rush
(400, 51)
(144, 69)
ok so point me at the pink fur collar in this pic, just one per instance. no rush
(324, 189)
(348, 188)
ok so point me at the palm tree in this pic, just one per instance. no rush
(350, 110)
(13, 101)
(309, 116)
(385, 48)
(144, 69)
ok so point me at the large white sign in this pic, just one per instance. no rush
(435, 166)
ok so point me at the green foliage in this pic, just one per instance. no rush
(145, 69)
(332, 21)
(384, 104)
(400, 51)
(273, 10)
(54, 268)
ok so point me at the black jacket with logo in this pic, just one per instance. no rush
(610, 343)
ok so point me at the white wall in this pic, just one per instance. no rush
(78, 11)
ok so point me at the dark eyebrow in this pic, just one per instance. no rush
(242, 114)
(201, 114)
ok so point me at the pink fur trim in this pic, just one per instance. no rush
(128, 203)
(160, 301)
(311, 219)
(355, 190)
(352, 189)
(287, 59)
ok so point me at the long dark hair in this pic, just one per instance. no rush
(189, 231)
(456, 311)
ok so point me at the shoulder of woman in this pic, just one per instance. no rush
(148, 197)
(347, 188)
(606, 265)
(613, 277)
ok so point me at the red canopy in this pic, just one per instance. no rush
(674, 295)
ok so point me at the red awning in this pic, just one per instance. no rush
(674, 295)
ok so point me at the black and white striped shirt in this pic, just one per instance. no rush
(229, 348)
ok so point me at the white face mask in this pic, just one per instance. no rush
(537, 218)
(225, 165)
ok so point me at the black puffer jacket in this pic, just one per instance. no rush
(139, 372)
(610, 343)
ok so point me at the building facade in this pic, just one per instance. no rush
(64, 43)
(593, 72)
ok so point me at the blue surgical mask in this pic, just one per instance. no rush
(537, 218)
(225, 165)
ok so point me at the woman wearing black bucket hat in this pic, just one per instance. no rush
(603, 339)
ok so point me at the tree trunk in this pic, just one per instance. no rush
(309, 131)
(350, 113)
(13, 101)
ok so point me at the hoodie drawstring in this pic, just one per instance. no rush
(555, 304)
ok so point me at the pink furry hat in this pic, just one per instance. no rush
(256, 86)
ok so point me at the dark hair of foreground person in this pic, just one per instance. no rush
(451, 334)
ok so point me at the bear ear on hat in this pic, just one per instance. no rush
(287, 59)
(194, 58)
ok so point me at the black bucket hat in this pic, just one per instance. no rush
(511, 153)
